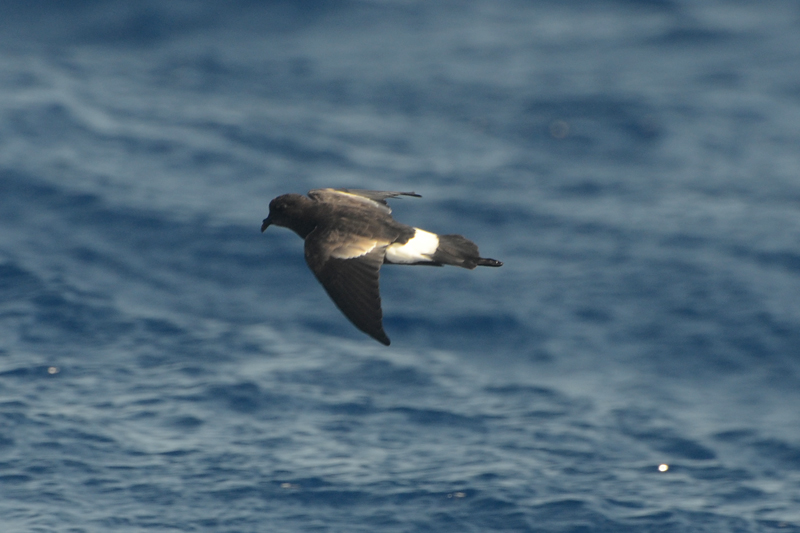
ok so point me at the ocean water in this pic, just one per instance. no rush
(166, 367)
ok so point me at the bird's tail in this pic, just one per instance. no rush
(459, 251)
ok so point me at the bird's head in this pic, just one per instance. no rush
(291, 211)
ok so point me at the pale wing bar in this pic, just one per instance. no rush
(375, 198)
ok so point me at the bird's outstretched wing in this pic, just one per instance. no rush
(376, 198)
(349, 269)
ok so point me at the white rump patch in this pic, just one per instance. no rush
(421, 247)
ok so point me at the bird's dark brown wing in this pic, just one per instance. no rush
(375, 198)
(349, 270)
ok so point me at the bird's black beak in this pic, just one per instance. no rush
(265, 224)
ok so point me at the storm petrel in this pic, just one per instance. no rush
(349, 234)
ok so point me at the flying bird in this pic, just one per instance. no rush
(350, 233)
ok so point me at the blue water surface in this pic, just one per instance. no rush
(635, 164)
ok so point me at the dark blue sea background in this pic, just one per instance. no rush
(164, 366)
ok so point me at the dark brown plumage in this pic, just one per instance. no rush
(349, 234)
